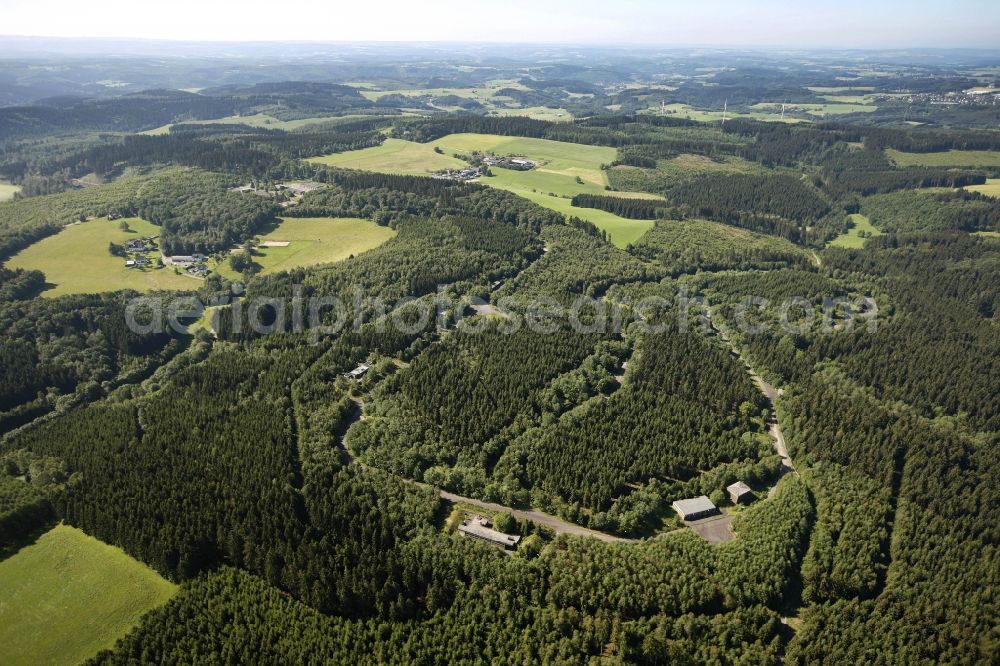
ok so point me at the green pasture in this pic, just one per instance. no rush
(312, 241)
(852, 238)
(948, 158)
(67, 596)
(76, 260)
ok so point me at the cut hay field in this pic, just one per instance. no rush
(312, 241)
(991, 188)
(77, 261)
(7, 191)
(68, 596)
(950, 158)
(853, 239)
(393, 156)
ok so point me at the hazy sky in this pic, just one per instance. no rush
(820, 23)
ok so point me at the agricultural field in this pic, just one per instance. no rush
(701, 115)
(68, 596)
(853, 238)
(77, 261)
(558, 115)
(311, 241)
(7, 191)
(393, 156)
(564, 170)
(819, 110)
(559, 162)
(258, 120)
(485, 95)
(990, 188)
(948, 158)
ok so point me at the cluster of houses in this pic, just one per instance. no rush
(971, 97)
(136, 249)
(460, 175)
(193, 264)
(696, 508)
(515, 163)
(481, 528)
(483, 162)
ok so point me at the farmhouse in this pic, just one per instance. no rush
(198, 270)
(187, 260)
(135, 245)
(481, 528)
(695, 508)
(358, 372)
(740, 493)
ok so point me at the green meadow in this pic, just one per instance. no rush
(393, 156)
(564, 170)
(67, 596)
(990, 188)
(312, 241)
(7, 191)
(949, 158)
(852, 238)
(621, 230)
(258, 120)
(76, 260)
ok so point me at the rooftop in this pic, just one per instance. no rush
(694, 505)
(739, 488)
(480, 528)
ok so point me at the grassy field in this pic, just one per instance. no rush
(853, 239)
(558, 115)
(68, 596)
(393, 156)
(312, 241)
(560, 165)
(691, 113)
(77, 261)
(950, 158)
(258, 120)
(621, 230)
(818, 110)
(7, 191)
(991, 188)
(564, 169)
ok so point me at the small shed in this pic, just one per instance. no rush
(358, 372)
(481, 528)
(740, 493)
(695, 508)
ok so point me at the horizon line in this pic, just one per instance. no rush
(753, 46)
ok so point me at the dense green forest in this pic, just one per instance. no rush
(510, 359)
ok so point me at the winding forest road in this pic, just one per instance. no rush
(771, 393)
(554, 523)
(560, 526)
(557, 525)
